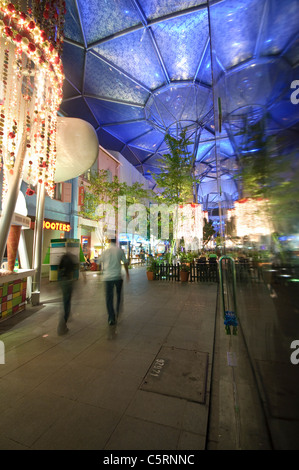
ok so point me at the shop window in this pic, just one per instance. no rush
(58, 191)
(66, 195)
(63, 192)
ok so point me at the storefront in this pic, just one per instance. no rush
(136, 248)
(85, 244)
(92, 243)
(51, 229)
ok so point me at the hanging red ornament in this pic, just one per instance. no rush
(11, 7)
(8, 31)
(31, 47)
(31, 25)
(29, 192)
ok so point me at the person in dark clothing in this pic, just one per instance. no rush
(87, 262)
(68, 264)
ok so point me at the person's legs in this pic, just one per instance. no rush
(67, 296)
(109, 286)
(66, 300)
(119, 284)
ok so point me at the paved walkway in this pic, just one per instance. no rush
(142, 385)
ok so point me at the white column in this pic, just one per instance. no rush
(38, 244)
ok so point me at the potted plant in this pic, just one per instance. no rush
(190, 256)
(184, 272)
(184, 259)
(152, 269)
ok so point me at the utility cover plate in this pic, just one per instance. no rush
(178, 373)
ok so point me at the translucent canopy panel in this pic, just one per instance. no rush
(138, 69)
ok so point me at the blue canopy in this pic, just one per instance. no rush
(136, 69)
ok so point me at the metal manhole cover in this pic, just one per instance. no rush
(179, 373)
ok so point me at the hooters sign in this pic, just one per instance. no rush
(61, 226)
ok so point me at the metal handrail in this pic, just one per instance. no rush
(228, 294)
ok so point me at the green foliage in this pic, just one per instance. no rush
(187, 257)
(152, 265)
(184, 259)
(102, 191)
(167, 258)
(208, 231)
(176, 178)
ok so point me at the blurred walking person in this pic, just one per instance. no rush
(112, 260)
(69, 263)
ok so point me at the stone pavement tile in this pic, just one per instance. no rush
(41, 366)
(99, 355)
(140, 315)
(184, 337)
(26, 378)
(195, 320)
(83, 427)
(253, 432)
(190, 441)
(32, 416)
(145, 343)
(157, 408)
(22, 353)
(69, 381)
(136, 434)
(13, 389)
(285, 433)
(139, 304)
(20, 334)
(195, 417)
(131, 362)
(128, 325)
(76, 341)
(9, 444)
(156, 331)
(164, 317)
(112, 390)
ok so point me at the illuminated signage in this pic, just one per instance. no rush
(81, 196)
(61, 226)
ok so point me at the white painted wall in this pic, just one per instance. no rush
(127, 173)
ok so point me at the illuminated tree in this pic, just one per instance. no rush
(176, 180)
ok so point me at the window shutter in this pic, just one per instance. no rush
(66, 195)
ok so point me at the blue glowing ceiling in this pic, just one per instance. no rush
(136, 69)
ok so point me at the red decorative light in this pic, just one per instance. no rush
(42, 41)
(11, 7)
(29, 192)
(31, 25)
(31, 47)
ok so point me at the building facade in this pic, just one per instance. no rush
(62, 213)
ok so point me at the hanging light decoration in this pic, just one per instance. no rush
(252, 218)
(31, 79)
(190, 225)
